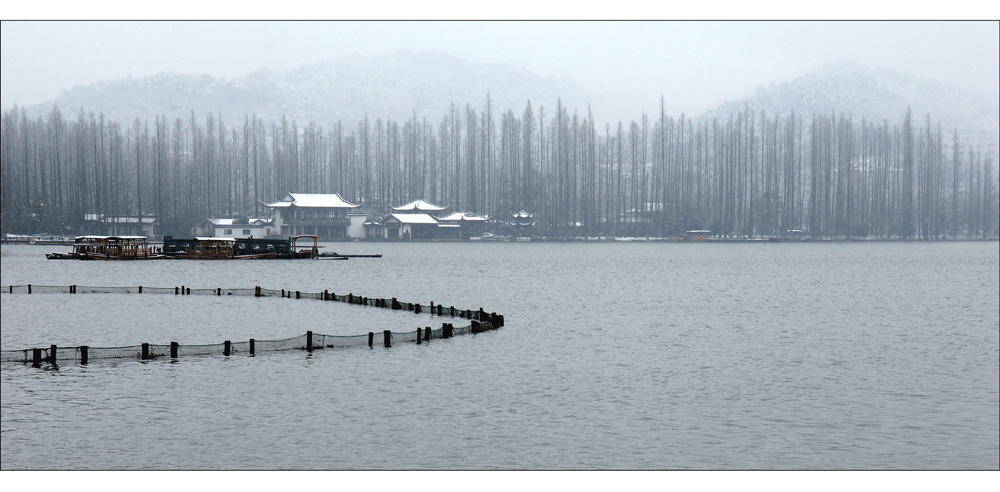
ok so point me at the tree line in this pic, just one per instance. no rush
(748, 173)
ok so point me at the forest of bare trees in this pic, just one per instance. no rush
(748, 173)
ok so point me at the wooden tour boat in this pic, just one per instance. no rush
(109, 248)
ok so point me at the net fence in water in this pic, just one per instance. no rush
(309, 341)
(431, 308)
(481, 321)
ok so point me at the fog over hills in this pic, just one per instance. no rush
(875, 94)
(344, 89)
(427, 83)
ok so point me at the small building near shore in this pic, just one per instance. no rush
(522, 224)
(469, 225)
(238, 228)
(121, 225)
(408, 226)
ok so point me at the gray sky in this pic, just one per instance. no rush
(694, 64)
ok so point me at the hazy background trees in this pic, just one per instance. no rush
(747, 173)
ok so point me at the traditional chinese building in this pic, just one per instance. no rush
(469, 225)
(522, 224)
(322, 215)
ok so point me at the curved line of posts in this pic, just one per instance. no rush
(480, 321)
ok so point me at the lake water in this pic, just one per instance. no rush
(614, 356)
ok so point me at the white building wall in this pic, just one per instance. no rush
(357, 228)
(241, 231)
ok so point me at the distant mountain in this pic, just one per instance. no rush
(399, 84)
(345, 89)
(876, 94)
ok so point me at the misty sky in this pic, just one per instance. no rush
(695, 64)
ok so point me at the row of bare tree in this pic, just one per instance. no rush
(749, 173)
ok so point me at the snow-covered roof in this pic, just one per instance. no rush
(522, 215)
(413, 218)
(250, 222)
(313, 200)
(419, 205)
(455, 226)
(118, 220)
(459, 216)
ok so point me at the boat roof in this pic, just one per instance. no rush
(215, 239)
(313, 200)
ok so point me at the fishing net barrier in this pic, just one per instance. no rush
(480, 321)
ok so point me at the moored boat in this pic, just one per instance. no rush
(109, 248)
(209, 248)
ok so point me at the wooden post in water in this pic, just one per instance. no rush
(256, 291)
(386, 338)
(145, 352)
(227, 348)
(416, 308)
(252, 343)
(173, 349)
(140, 289)
(218, 291)
(52, 355)
(452, 311)
(84, 356)
(29, 288)
(326, 295)
(371, 339)
(427, 333)
(298, 295)
(36, 357)
(419, 332)
(309, 341)
(175, 291)
(183, 290)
